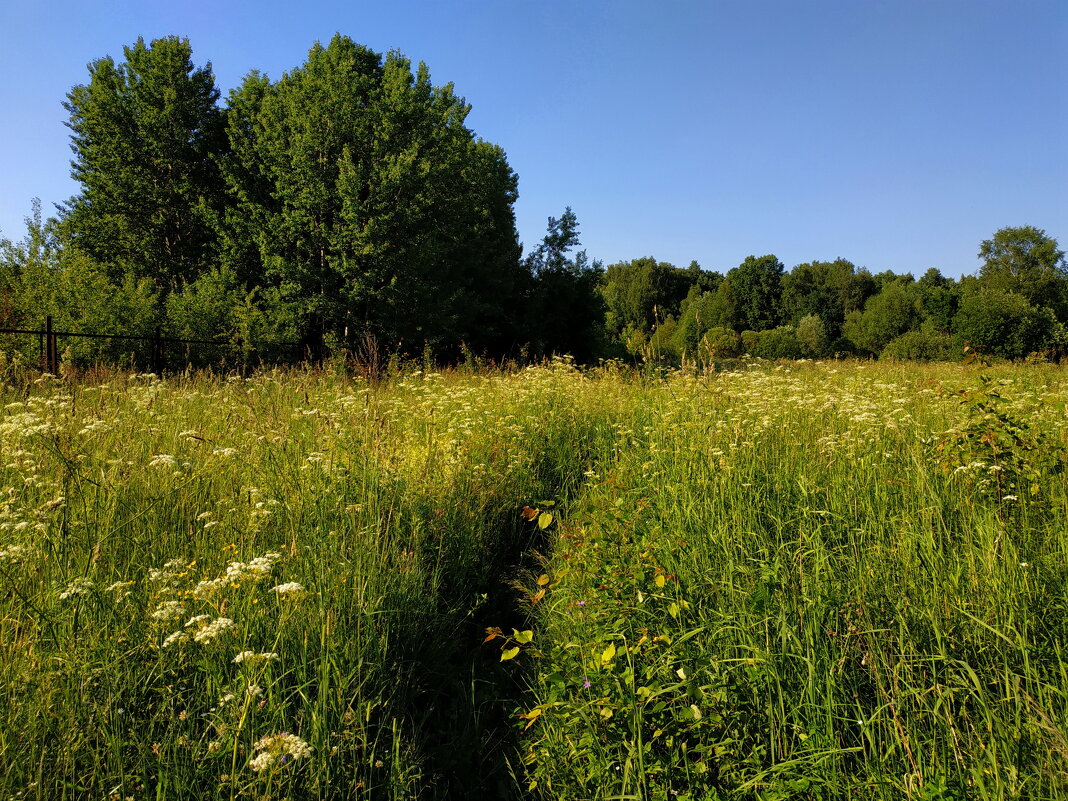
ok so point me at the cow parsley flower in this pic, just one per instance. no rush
(176, 637)
(78, 587)
(213, 629)
(252, 658)
(291, 590)
(277, 749)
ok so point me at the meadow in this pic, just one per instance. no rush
(807, 580)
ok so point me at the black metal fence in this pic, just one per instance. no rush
(49, 353)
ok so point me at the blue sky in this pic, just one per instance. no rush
(895, 133)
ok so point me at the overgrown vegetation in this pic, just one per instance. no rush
(804, 581)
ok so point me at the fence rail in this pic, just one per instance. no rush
(48, 343)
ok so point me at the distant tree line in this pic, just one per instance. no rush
(346, 206)
(1017, 305)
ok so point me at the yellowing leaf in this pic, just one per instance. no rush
(509, 653)
(523, 636)
(545, 520)
(608, 654)
(696, 711)
(491, 633)
(673, 609)
(660, 581)
(543, 579)
(531, 716)
(537, 596)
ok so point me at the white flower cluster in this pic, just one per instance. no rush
(291, 590)
(253, 571)
(213, 629)
(278, 749)
(16, 554)
(80, 586)
(259, 568)
(251, 658)
(171, 570)
(206, 630)
(168, 610)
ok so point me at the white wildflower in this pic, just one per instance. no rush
(168, 610)
(289, 590)
(162, 460)
(176, 637)
(207, 587)
(278, 749)
(213, 629)
(16, 554)
(253, 658)
(80, 586)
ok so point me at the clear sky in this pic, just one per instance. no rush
(895, 133)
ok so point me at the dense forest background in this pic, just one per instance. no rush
(347, 208)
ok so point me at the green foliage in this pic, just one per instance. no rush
(564, 308)
(368, 205)
(720, 343)
(776, 343)
(753, 292)
(812, 334)
(1003, 324)
(886, 316)
(1027, 262)
(146, 136)
(829, 290)
(928, 344)
(643, 292)
(939, 297)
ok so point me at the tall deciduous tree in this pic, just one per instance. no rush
(754, 293)
(565, 312)
(368, 205)
(145, 134)
(1028, 262)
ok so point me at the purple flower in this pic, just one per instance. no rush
(586, 684)
(580, 603)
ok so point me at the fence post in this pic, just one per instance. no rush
(51, 348)
(157, 352)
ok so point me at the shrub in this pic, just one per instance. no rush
(926, 344)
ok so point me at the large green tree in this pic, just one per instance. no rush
(827, 289)
(368, 206)
(754, 293)
(640, 293)
(145, 134)
(564, 308)
(1029, 263)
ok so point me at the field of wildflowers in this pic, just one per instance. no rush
(803, 581)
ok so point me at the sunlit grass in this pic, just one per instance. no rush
(804, 581)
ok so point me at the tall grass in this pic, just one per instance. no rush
(814, 581)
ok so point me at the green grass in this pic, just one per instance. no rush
(811, 581)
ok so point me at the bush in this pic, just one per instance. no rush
(777, 343)
(926, 344)
(720, 343)
(1004, 324)
(812, 334)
